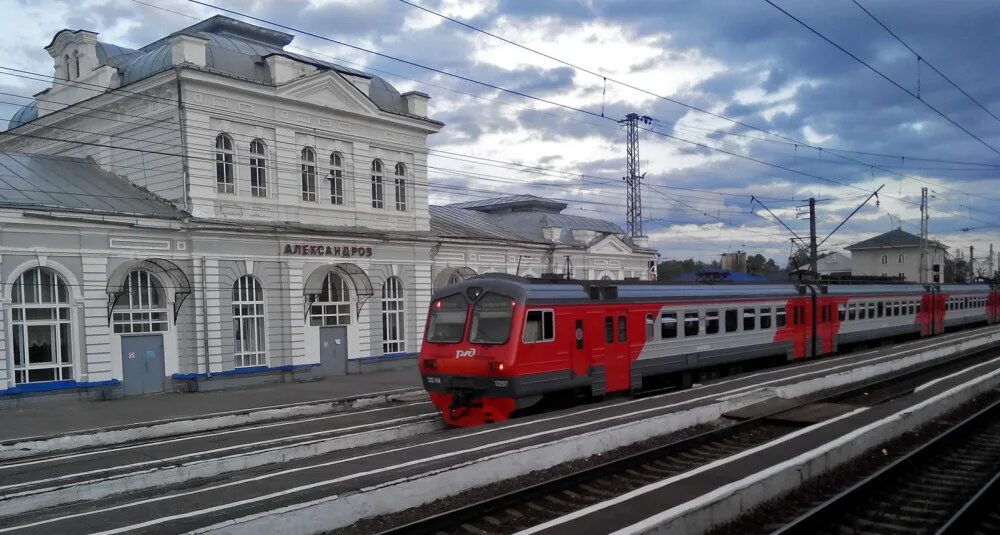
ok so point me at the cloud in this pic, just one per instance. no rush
(744, 60)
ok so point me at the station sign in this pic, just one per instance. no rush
(343, 251)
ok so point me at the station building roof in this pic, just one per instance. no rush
(43, 182)
(234, 48)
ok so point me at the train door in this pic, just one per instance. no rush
(926, 315)
(940, 310)
(617, 366)
(827, 326)
(993, 306)
(579, 356)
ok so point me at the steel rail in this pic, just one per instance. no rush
(830, 514)
(877, 390)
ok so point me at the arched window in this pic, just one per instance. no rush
(225, 180)
(249, 330)
(378, 200)
(258, 168)
(69, 73)
(337, 178)
(76, 62)
(393, 326)
(606, 277)
(42, 330)
(332, 306)
(400, 186)
(308, 174)
(142, 308)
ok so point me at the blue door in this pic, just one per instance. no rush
(143, 369)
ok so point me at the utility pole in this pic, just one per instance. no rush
(989, 264)
(633, 191)
(972, 263)
(813, 255)
(924, 216)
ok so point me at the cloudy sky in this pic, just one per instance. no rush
(830, 127)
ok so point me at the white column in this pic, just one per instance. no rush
(213, 314)
(6, 369)
(417, 314)
(296, 314)
(96, 350)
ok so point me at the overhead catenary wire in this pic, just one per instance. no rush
(923, 60)
(882, 75)
(738, 155)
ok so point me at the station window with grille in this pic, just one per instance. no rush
(41, 327)
(393, 316)
(225, 174)
(336, 178)
(142, 307)
(332, 306)
(249, 328)
(400, 187)
(258, 168)
(378, 195)
(308, 165)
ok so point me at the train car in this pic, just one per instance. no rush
(966, 304)
(498, 343)
(876, 312)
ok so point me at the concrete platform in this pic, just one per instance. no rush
(335, 489)
(71, 416)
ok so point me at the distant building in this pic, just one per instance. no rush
(895, 253)
(835, 263)
(735, 261)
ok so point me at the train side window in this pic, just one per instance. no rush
(539, 326)
(749, 319)
(650, 323)
(609, 329)
(779, 317)
(765, 318)
(622, 329)
(691, 324)
(668, 325)
(852, 312)
(842, 311)
(917, 308)
(900, 308)
(880, 309)
(871, 310)
(712, 322)
(913, 308)
(862, 308)
(579, 334)
(732, 320)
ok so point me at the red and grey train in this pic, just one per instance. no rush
(497, 343)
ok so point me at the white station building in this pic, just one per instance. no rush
(211, 209)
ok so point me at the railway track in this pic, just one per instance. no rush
(527, 507)
(948, 485)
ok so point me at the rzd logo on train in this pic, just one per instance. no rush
(465, 353)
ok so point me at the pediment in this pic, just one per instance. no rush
(610, 245)
(328, 89)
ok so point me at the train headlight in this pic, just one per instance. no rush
(430, 364)
(496, 366)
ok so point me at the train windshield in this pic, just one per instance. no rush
(447, 321)
(491, 319)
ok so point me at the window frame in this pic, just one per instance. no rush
(61, 316)
(331, 313)
(225, 164)
(393, 306)
(692, 316)
(676, 329)
(399, 183)
(307, 165)
(545, 313)
(377, 184)
(336, 178)
(249, 293)
(258, 168)
(141, 311)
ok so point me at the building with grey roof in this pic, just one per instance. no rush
(896, 253)
(212, 208)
